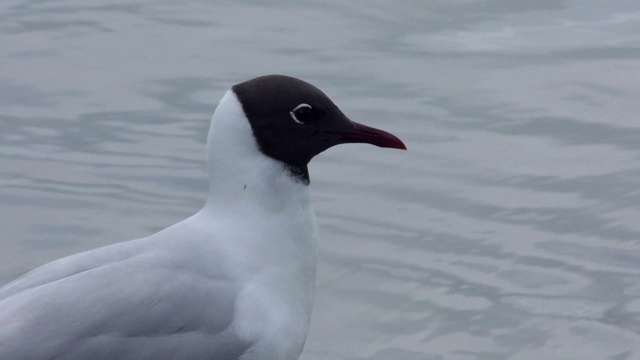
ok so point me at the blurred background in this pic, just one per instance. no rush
(509, 230)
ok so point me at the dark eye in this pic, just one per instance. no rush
(302, 113)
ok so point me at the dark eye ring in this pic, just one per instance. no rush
(302, 113)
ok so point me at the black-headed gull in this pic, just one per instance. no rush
(234, 281)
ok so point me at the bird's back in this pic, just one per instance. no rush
(133, 300)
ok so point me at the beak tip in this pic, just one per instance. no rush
(392, 141)
(395, 145)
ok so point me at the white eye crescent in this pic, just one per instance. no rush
(302, 113)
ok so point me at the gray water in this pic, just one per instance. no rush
(509, 230)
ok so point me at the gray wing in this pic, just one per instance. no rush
(109, 304)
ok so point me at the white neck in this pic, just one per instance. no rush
(238, 170)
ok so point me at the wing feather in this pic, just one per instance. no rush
(116, 303)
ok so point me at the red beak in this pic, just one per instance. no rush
(365, 134)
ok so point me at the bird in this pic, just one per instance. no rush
(234, 281)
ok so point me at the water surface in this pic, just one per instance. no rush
(509, 230)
